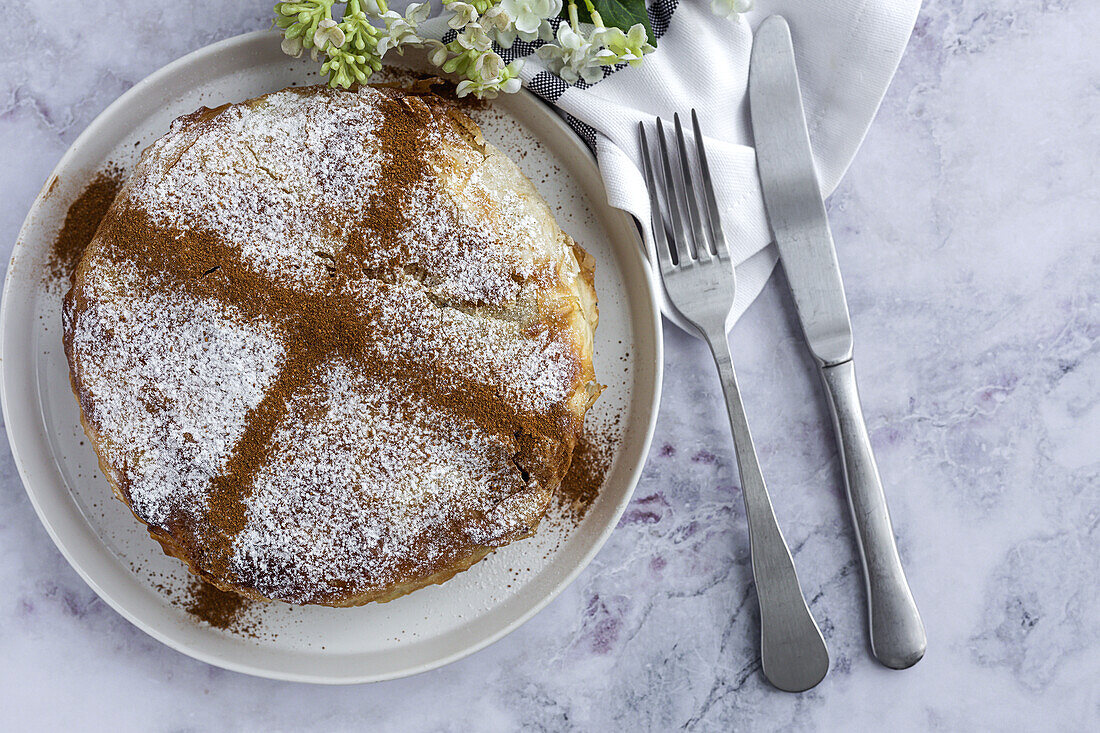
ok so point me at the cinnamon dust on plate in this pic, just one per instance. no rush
(219, 608)
(593, 457)
(81, 223)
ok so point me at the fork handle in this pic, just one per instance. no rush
(897, 633)
(792, 651)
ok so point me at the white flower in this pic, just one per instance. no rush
(402, 30)
(531, 17)
(573, 57)
(617, 46)
(496, 18)
(730, 8)
(507, 81)
(488, 66)
(417, 13)
(292, 46)
(463, 13)
(474, 38)
(328, 32)
(497, 21)
(468, 51)
(437, 52)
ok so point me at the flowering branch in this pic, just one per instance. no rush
(584, 45)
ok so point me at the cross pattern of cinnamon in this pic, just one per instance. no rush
(381, 305)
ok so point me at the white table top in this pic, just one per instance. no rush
(967, 233)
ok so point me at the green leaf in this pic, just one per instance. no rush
(620, 14)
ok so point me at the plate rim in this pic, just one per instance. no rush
(63, 544)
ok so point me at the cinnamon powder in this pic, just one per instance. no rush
(219, 608)
(591, 462)
(81, 223)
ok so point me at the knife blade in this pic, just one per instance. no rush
(792, 195)
(796, 212)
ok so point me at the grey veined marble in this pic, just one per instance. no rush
(968, 232)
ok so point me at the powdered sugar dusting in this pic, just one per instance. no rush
(192, 372)
(366, 483)
(286, 176)
(532, 372)
(257, 175)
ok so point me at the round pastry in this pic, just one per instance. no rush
(331, 346)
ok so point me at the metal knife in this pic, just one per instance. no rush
(796, 211)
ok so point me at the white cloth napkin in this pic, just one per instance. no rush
(846, 51)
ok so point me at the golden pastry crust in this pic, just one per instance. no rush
(330, 346)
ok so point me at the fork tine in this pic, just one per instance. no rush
(680, 237)
(657, 222)
(702, 249)
(714, 219)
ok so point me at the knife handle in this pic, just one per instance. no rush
(897, 633)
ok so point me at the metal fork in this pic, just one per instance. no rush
(700, 283)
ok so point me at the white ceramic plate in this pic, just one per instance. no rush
(428, 628)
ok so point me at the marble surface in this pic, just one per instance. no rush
(967, 232)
